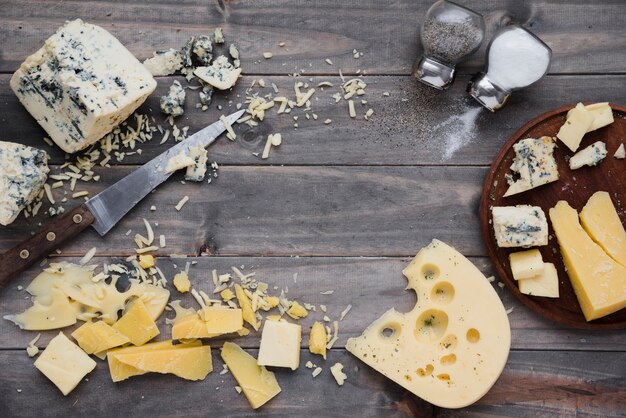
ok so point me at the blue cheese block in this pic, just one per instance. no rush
(534, 162)
(520, 226)
(23, 172)
(174, 101)
(81, 84)
(197, 171)
(164, 62)
(592, 155)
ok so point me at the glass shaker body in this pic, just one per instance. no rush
(516, 58)
(450, 34)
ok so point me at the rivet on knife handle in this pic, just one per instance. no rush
(19, 258)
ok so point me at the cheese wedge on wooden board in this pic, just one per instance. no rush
(578, 122)
(598, 280)
(534, 162)
(601, 221)
(450, 349)
(602, 115)
(545, 284)
(526, 264)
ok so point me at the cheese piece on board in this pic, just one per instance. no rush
(602, 115)
(598, 281)
(81, 84)
(64, 363)
(620, 153)
(23, 172)
(136, 324)
(257, 383)
(190, 326)
(220, 320)
(519, 226)
(221, 74)
(164, 62)
(534, 162)
(592, 155)
(96, 337)
(526, 264)
(601, 221)
(545, 284)
(450, 349)
(280, 344)
(578, 122)
(191, 363)
(318, 340)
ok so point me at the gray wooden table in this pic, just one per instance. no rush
(344, 205)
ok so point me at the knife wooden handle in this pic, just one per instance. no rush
(20, 257)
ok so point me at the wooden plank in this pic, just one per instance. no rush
(534, 383)
(368, 211)
(416, 125)
(387, 33)
(370, 285)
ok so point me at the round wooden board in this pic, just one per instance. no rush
(574, 186)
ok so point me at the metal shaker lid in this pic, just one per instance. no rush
(434, 73)
(487, 93)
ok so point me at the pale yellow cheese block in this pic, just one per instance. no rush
(545, 284)
(578, 122)
(601, 221)
(136, 324)
(598, 280)
(602, 115)
(280, 344)
(257, 383)
(221, 319)
(190, 326)
(451, 348)
(95, 337)
(526, 264)
(64, 363)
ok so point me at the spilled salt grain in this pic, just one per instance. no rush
(457, 131)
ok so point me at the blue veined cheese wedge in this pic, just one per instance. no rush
(592, 155)
(23, 172)
(197, 171)
(534, 162)
(81, 84)
(221, 74)
(520, 226)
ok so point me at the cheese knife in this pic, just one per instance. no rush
(105, 209)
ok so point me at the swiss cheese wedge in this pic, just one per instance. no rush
(451, 348)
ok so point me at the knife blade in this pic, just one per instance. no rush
(106, 208)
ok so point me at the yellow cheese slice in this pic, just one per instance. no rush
(257, 383)
(599, 281)
(48, 312)
(137, 324)
(578, 122)
(221, 320)
(246, 307)
(600, 220)
(450, 349)
(545, 284)
(95, 337)
(64, 363)
(191, 363)
(602, 115)
(317, 340)
(190, 326)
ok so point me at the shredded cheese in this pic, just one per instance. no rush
(88, 256)
(181, 203)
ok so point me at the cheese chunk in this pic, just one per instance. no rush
(178, 161)
(136, 324)
(520, 226)
(164, 62)
(450, 349)
(181, 282)
(174, 101)
(246, 307)
(23, 172)
(600, 220)
(280, 345)
(190, 326)
(592, 155)
(620, 153)
(221, 74)
(534, 162)
(257, 383)
(197, 171)
(318, 339)
(221, 319)
(545, 284)
(96, 337)
(81, 84)
(602, 115)
(526, 264)
(53, 311)
(64, 363)
(598, 280)
(578, 122)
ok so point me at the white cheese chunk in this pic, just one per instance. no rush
(526, 264)
(174, 101)
(280, 345)
(178, 161)
(545, 284)
(203, 50)
(81, 84)
(23, 172)
(602, 115)
(221, 74)
(592, 155)
(620, 153)
(197, 171)
(578, 121)
(520, 226)
(164, 62)
(534, 162)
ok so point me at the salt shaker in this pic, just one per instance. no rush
(516, 58)
(450, 34)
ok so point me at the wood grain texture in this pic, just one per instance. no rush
(387, 32)
(370, 285)
(534, 383)
(414, 126)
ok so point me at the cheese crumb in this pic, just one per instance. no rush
(88, 256)
(297, 311)
(181, 203)
(337, 372)
(345, 312)
(327, 121)
(317, 371)
(181, 282)
(32, 349)
(267, 55)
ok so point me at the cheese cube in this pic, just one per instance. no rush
(545, 284)
(601, 221)
(592, 155)
(258, 384)
(520, 226)
(96, 337)
(280, 345)
(598, 281)
(137, 324)
(181, 282)
(534, 162)
(602, 115)
(81, 84)
(221, 319)
(23, 172)
(526, 264)
(64, 363)
(578, 122)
